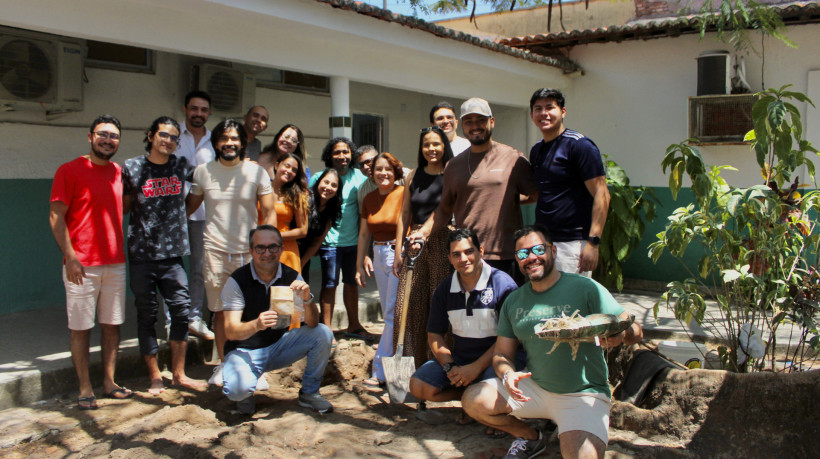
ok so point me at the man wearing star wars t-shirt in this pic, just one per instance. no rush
(154, 192)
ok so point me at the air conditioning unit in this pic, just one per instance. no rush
(720, 119)
(40, 71)
(232, 92)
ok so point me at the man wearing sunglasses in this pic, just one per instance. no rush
(256, 343)
(154, 194)
(572, 391)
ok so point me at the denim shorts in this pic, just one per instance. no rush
(335, 259)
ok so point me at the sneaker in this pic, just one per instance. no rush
(262, 384)
(247, 406)
(523, 448)
(216, 378)
(199, 328)
(315, 402)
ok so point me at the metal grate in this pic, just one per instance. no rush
(720, 119)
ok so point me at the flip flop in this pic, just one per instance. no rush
(87, 403)
(120, 393)
(360, 333)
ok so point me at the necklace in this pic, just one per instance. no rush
(469, 166)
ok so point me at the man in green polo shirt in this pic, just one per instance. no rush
(573, 392)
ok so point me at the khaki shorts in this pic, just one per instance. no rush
(102, 294)
(566, 260)
(586, 411)
(217, 267)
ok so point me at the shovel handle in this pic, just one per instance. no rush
(408, 283)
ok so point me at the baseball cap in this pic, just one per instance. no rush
(476, 105)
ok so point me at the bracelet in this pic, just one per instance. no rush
(504, 378)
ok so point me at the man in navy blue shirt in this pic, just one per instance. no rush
(573, 198)
(468, 303)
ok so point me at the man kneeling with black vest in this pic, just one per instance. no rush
(258, 336)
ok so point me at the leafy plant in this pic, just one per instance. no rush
(629, 210)
(732, 21)
(760, 246)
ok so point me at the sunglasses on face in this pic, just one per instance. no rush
(536, 250)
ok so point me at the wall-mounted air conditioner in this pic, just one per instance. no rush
(714, 73)
(40, 71)
(720, 119)
(232, 92)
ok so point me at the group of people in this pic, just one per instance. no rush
(252, 218)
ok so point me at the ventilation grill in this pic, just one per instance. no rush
(720, 119)
(232, 91)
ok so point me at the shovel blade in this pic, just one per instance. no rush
(397, 373)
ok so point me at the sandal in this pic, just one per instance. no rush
(360, 333)
(120, 393)
(87, 403)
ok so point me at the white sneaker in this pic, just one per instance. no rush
(199, 328)
(216, 378)
(262, 384)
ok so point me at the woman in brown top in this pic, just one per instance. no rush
(379, 216)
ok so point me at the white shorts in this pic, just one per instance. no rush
(585, 411)
(566, 260)
(102, 294)
(217, 267)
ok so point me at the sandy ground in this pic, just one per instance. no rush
(182, 423)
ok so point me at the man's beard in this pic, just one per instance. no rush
(230, 154)
(196, 121)
(547, 268)
(99, 154)
(481, 140)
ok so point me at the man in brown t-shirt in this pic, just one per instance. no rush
(484, 189)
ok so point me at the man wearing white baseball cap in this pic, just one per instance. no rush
(483, 189)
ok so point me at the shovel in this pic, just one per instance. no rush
(399, 369)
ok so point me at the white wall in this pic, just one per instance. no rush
(35, 145)
(633, 99)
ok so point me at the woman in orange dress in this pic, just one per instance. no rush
(290, 186)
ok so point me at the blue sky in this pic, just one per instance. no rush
(403, 7)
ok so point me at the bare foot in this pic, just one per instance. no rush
(157, 387)
(189, 383)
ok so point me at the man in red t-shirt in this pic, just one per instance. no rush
(86, 219)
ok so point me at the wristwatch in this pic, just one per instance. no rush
(448, 366)
(594, 240)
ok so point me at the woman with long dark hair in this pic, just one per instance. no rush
(290, 186)
(424, 185)
(324, 211)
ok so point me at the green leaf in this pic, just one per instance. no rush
(730, 275)
(777, 111)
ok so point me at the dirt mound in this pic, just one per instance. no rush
(717, 413)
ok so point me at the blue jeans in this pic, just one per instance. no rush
(243, 367)
(388, 285)
(433, 374)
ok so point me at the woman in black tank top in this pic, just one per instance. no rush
(424, 185)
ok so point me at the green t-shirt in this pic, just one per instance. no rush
(346, 232)
(557, 372)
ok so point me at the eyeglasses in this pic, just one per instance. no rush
(536, 250)
(165, 136)
(366, 162)
(107, 135)
(291, 140)
(273, 248)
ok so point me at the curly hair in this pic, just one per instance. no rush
(327, 153)
(152, 131)
(294, 192)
